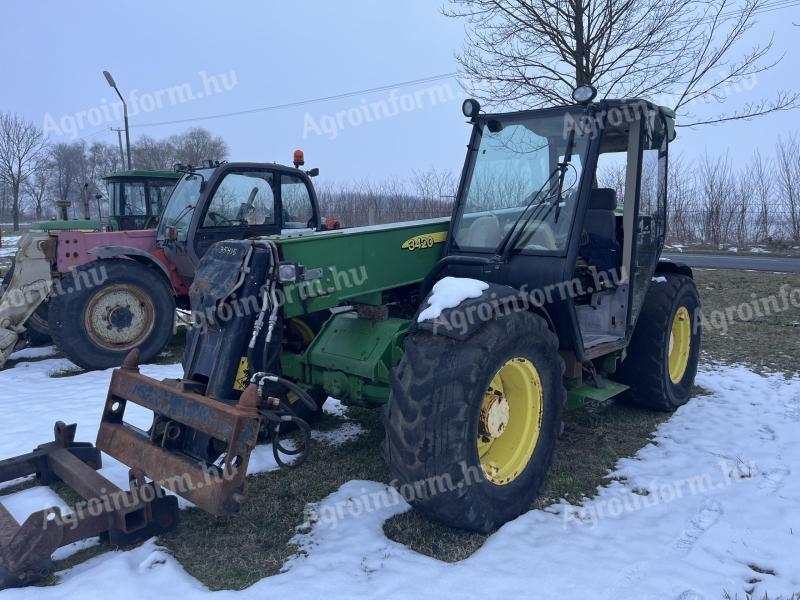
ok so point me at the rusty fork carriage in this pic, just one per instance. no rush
(197, 448)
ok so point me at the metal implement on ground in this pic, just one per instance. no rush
(120, 517)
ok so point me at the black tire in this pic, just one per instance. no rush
(76, 311)
(646, 366)
(432, 421)
(37, 330)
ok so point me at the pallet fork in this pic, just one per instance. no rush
(119, 517)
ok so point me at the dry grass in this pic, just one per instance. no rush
(766, 343)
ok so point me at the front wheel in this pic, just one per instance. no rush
(105, 309)
(471, 426)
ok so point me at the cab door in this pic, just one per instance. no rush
(243, 204)
(647, 217)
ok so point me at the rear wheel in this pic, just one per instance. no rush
(471, 426)
(97, 325)
(662, 357)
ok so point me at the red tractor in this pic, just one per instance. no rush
(106, 293)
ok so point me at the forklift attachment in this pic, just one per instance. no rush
(117, 516)
(197, 447)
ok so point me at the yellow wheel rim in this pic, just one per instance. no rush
(680, 341)
(510, 421)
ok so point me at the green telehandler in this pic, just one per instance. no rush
(472, 333)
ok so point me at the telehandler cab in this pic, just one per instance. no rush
(471, 332)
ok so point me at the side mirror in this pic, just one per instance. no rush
(313, 172)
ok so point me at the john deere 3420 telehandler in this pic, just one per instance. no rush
(471, 333)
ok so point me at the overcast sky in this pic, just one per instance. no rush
(188, 60)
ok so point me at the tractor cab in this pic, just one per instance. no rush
(235, 201)
(136, 198)
(537, 210)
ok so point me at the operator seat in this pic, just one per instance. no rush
(599, 244)
(484, 230)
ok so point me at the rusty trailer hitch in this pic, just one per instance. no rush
(119, 517)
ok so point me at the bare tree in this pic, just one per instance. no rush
(762, 184)
(530, 53)
(149, 153)
(22, 143)
(38, 184)
(69, 170)
(197, 145)
(191, 147)
(788, 173)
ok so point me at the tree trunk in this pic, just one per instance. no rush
(15, 203)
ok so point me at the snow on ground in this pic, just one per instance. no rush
(710, 506)
(34, 352)
(9, 246)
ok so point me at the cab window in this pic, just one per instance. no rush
(296, 203)
(242, 199)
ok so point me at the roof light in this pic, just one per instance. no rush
(299, 159)
(470, 108)
(584, 94)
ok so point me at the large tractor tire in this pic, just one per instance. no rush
(662, 357)
(98, 325)
(471, 426)
(37, 330)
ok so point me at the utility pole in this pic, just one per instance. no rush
(85, 198)
(121, 152)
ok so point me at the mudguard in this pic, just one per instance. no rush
(129, 252)
(667, 266)
(464, 320)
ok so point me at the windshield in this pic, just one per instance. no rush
(181, 204)
(516, 163)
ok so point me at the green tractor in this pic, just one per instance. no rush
(472, 333)
(135, 200)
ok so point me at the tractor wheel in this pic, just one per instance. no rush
(662, 357)
(96, 323)
(471, 426)
(37, 331)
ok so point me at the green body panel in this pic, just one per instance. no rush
(75, 225)
(357, 265)
(351, 358)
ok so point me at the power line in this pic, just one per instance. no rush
(770, 6)
(302, 102)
